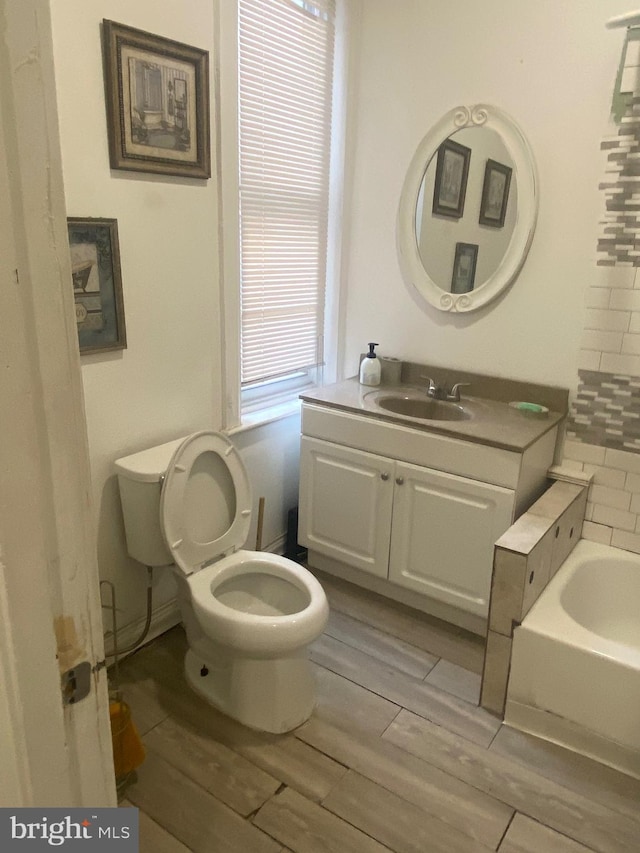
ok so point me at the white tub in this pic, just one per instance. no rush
(575, 666)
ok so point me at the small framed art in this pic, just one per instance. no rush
(452, 170)
(464, 267)
(97, 284)
(495, 194)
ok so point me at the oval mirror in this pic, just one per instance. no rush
(468, 209)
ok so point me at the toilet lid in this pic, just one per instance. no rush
(205, 504)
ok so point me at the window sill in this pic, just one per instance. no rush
(259, 418)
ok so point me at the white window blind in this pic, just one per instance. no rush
(285, 84)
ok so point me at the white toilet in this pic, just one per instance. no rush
(249, 616)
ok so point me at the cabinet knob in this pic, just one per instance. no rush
(399, 480)
(384, 476)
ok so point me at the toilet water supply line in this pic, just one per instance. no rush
(116, 650)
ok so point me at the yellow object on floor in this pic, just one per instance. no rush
(128, 751)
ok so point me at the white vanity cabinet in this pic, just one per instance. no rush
(443, 532)
(411, 513)
(346, 503)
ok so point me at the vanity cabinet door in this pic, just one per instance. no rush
(346, 498)
(444, 530)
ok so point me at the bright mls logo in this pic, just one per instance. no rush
(69, 829)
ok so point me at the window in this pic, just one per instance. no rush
(285, 83)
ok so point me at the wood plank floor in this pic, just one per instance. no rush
(396, 757)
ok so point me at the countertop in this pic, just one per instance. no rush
(492, 422)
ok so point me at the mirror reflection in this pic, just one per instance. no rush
(466, 209)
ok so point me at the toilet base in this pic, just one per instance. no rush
(273, 695)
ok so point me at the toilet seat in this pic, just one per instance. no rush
(196, 465)
(253, 633)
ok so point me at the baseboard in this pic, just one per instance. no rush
(277, 546)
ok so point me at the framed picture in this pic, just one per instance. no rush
(97, 284)
(464, 267)
(452, 170)
(495, 194)
(157, 94)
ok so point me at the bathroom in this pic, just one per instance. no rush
(160, 390)
(553, 71)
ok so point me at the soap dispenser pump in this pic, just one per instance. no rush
(370, 369)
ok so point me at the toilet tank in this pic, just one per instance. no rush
(140, 478)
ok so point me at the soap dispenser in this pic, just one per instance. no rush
(370, 368)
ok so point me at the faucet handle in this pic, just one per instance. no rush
(432, 387)
(454, 394)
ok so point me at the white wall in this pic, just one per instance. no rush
(162, 386)
(168, 381)
(552, 67)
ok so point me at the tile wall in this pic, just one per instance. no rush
(613, 506)
(603, 429)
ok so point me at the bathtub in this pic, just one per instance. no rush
(575, 664)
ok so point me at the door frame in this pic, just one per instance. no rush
(51, 754)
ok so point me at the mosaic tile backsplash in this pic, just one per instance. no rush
(619, 243)
(606, 411)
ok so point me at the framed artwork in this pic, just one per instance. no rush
(495, 194)
(157, 94)
(97, 284)
(452, 170)
(464, 267)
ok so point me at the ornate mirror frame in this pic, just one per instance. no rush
(414, 273)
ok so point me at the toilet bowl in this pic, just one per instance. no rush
(249, 616)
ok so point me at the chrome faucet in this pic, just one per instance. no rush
(439, 392)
